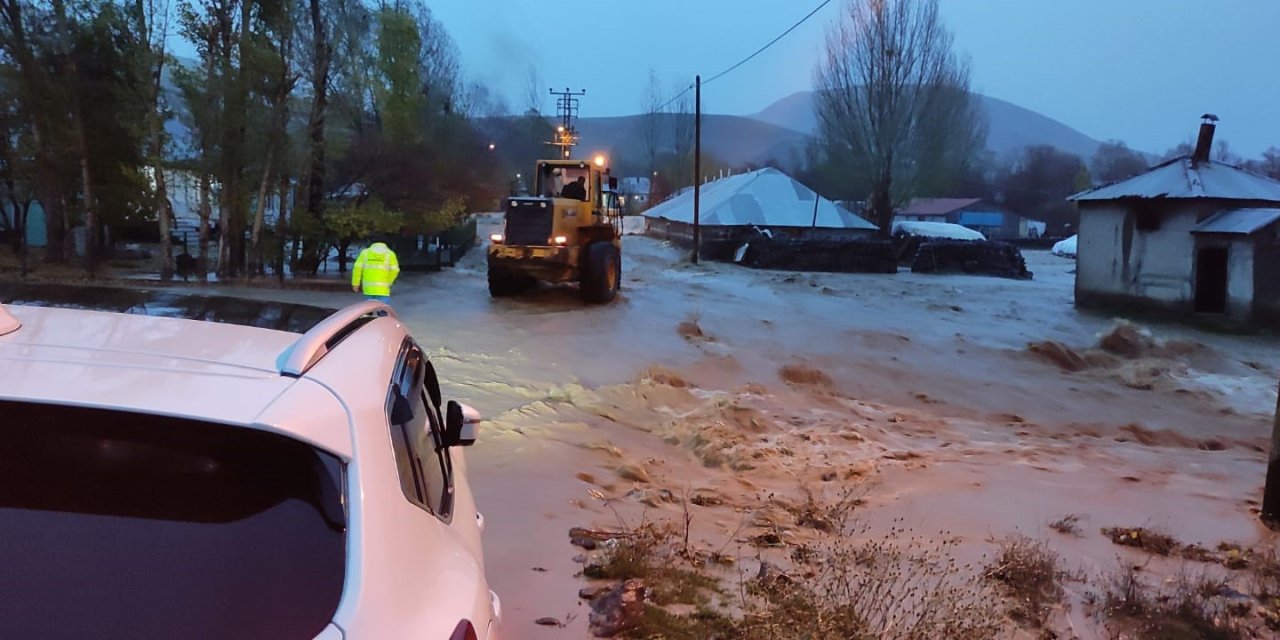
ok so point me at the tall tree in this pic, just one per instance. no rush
(680, 113)
(151, 21)
(651, 122)
(321, 58)
(25, 37)
(893, 100)
(1039, 182)
(1114, 161)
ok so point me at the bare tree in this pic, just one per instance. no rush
(680, 111)
(651, 122)
(534, 92)
(1115, 161)
(893, 101)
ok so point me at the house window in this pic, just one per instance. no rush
(1146, 217)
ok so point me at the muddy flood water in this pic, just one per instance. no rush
(958, 408)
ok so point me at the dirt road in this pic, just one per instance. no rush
(918, 393)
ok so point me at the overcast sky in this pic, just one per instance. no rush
(1137, 70)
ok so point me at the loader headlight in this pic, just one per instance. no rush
(496, 238)
(560, 240)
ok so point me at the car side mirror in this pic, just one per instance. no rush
(613, 183)
(461, 424)
(401, 410)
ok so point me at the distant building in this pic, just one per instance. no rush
(978, 214)
(635, 193)
(1188, 235)
(734, 209)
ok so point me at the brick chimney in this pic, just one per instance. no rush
(1204, 144)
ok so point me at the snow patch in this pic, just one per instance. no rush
(944, 230)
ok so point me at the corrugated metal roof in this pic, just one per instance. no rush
(1238, 221)
(766, 197)
(936, 206)
(1182, 178)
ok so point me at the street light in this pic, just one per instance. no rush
(492, 146)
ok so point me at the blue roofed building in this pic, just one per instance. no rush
(977, 214)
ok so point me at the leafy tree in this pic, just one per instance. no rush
(1038, 183)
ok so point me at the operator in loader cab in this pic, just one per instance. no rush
(576, 190)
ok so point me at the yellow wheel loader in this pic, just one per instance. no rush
(569, 231)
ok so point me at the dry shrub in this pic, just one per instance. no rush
(1028, 573)
(1149, 540)
(1138, 611)
(1264, 584)
(895, 586)
(802, 374)
(898, 587)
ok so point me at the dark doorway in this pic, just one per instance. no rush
(1211, 280)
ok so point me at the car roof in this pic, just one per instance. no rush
(206, 371)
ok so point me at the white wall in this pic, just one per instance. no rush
(1116, 258)
(1240, 277)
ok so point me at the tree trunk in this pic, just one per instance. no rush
(90, 205)
(51, 192)
(165, 214)
(261, 209)
(206, 213)
(319, 106)
(282, 225)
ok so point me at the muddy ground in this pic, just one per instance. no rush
(960, 408)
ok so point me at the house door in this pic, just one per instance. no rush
(1211, 280)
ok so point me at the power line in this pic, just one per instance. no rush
(771, 43)
(748, 58)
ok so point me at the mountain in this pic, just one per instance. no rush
(735, 139)
(1011, 127)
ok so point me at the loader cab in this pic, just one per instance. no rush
(553, 177)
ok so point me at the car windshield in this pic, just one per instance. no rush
(136, 526)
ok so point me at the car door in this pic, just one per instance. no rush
(427, 470)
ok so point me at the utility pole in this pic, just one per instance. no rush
(1271, 492)
(567, 108)
(697, 164)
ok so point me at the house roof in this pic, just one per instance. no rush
(936, 206)
(1238, 221)
(1180, 178)
(766, 197)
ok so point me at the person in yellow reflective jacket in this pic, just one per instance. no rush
(375, 270)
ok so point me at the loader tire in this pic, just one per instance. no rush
(602, 273)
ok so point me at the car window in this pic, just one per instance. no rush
(125, 525)
(424, 466)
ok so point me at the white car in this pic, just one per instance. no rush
(1066, 248)
(165, 478)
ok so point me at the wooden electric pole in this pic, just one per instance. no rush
(1271, 492)
(697, 165)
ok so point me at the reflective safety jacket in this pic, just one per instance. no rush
(376, 268)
